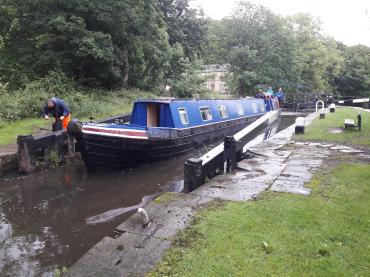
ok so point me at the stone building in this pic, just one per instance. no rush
(215, 77)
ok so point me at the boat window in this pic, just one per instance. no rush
(183, 116)
(206, 113)
(261, 108)
(222, 111)
(239, 109)
(254, 107)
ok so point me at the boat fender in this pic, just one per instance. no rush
(74, 128)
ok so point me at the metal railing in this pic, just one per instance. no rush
(119, 119)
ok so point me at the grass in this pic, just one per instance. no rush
(167, 197)
(325, 234)
(319, 129)
(10, 131)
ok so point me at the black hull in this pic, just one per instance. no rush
(103, 152)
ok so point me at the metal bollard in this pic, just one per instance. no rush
(230, 153)
(332, 108)
(359, 119)
(192, 174)
(299, 125)
(322, 114)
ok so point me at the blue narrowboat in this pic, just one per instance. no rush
(163, 128)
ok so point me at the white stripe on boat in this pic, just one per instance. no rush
(114, 132)
(364, 100)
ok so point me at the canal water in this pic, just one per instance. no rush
(49, 219)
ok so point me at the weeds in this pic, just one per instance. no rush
(54, 159)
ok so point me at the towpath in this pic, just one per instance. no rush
(280, 164)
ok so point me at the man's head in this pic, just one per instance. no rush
(270, 88)
(280, 89)
(50, 104)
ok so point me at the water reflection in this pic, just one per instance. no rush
(50, 219)
(43, 216)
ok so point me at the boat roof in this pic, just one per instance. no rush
(171, 100)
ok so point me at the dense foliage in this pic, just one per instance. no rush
(265, 48)
(354, 78)
(152, 44)
(110, 44)
(28, 102)
(262, 47)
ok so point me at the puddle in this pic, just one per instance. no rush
(335, 130)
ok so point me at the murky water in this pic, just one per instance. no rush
(50, 219)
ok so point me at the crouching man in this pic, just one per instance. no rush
(60, 111)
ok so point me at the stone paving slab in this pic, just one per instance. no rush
(167, 218)
(286, 178)
(304, 162)
(240, 191)
(121, 257)
(290, 186)
(291, 169)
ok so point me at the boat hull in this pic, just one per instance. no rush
(105, 152)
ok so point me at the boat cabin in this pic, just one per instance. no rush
(189, 113)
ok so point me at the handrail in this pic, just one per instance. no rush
(119, 119)
(317, 105)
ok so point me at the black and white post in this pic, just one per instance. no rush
(300, 123)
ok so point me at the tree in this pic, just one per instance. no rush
(185, 78)
(185, 26)
(354, 78)
(317, 59)
(260, 48)
(216, 50)
(100, 43)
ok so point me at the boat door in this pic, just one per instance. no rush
(152, 115)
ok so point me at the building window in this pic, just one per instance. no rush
(183, 116)
(222, 111)
(206, 113)
(239, 109)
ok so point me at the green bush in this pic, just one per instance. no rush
(28, 102)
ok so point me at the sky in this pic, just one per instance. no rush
(345, 20)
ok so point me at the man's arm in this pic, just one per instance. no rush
(45, 112)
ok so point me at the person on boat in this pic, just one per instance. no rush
(280, 95)
(260, 94)
(270, 92)
(59, 110)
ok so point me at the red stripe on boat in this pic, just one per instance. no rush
(117, 132)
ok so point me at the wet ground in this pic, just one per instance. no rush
(50, 219)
